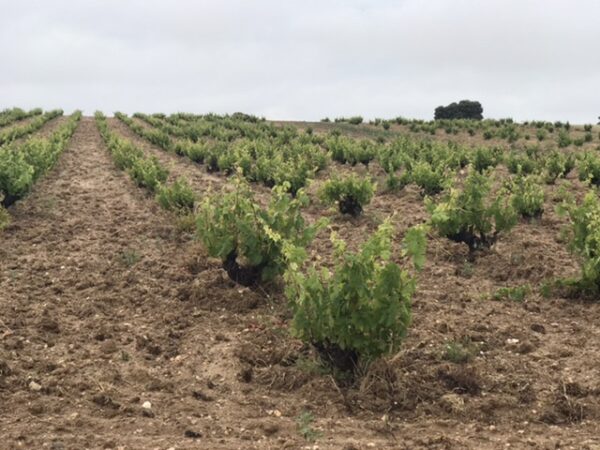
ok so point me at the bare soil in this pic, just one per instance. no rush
(105, 305)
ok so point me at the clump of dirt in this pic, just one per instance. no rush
(569, 403)
(214, 290)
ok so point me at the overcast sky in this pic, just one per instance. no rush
(304, 59)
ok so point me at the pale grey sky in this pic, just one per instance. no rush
(304, 59)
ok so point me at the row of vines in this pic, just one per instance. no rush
(12, 115)
(358, 307)
(23, 163)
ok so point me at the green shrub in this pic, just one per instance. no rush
(16, 175)
(355, 120)
(587, 127)
(540, 134)
(431, 181)
(589, 168)
(124, 153)
(350, 193)
(556, 165)
(361, 309)
(472, 214)
(249, 239)
(226, 162)
(527, 196)
(521, 163)
(350, 151)
(485, 157)
(148, 173)
(395, 182)
(564, 139)
(588, 137)
(390, 159)
(584, 237)
(178, 197)
(158, 137)
(293, 174)
(196, 151)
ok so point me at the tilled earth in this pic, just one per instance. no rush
(117, 332)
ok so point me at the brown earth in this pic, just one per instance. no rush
(105, 305)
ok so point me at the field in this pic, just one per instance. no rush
(122, 328)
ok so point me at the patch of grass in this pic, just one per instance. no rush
(571, 288)
(129, 257)
(459, 352)
(186, 223)
(466, 270)
(514, 294)
(305, 426)
(312, 366)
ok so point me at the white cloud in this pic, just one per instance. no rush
(304, 60)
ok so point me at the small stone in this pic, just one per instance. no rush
(538, 328)
(36, 409)
(147, 405)
(108, 347)
(192, 434)
(512, 341)
(270, 428)
(148, 413)
(36, 387)
(525, 347)
(199, 395)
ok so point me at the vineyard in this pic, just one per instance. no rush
(206, 281)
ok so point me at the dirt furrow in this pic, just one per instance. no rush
(92, 328)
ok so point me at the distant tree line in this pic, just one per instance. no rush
(465, 109)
